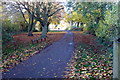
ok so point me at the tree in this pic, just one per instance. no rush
(92, 13)
(44, 10)
(41, 11)
(30, 21)
(100, 18)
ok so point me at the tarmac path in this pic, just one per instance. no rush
(49, 63)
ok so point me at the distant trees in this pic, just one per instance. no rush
(100, 18)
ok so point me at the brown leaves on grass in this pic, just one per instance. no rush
(89, 62)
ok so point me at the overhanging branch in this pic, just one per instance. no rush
(55, 12)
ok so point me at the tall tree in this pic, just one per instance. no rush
(29, 10)
(44, 10)
(41, 11)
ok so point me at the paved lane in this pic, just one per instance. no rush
(49, 63)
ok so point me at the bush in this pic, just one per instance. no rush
(8, 29)
(6, 37)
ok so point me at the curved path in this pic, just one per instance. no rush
(49, 63)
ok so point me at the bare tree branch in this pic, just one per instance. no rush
(55, 12)
(22, 12)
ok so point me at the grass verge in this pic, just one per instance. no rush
(12, 57)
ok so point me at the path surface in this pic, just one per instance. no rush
(49, 63)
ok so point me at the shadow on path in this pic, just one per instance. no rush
(49, 63)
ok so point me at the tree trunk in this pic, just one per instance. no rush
(116, 60)
(32, 26)
(71, 23)
(30, 33)
(77, 24)
(44, 31)
(119, 20)
(29, 30)
(48, 27)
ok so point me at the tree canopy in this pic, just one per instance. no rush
(101, 18)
